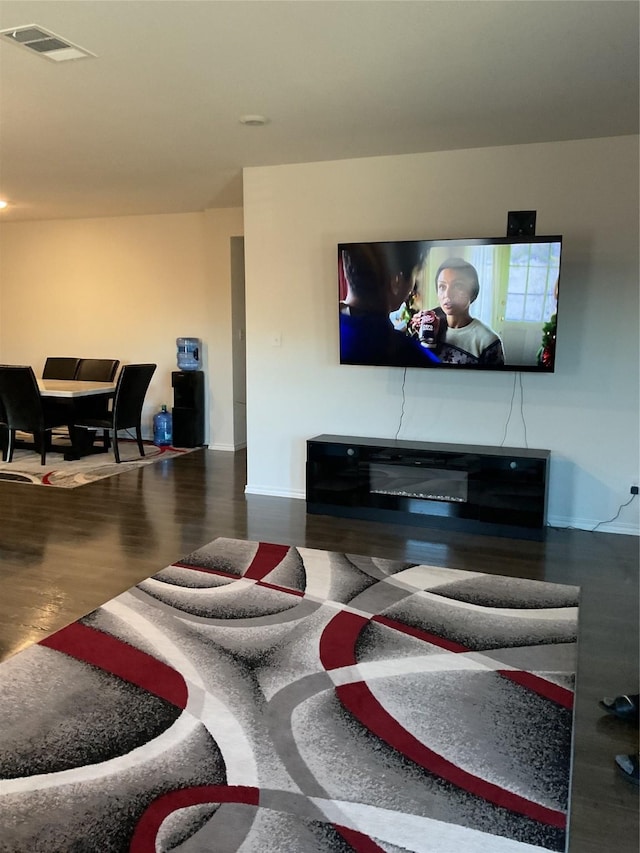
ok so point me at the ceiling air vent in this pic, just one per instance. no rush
(44, 43)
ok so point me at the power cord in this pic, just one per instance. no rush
(606, 521)
(517, 376)
(404, 379)
(609, 520)
(522, 418)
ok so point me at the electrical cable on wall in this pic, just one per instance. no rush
(404, 379)
(513, 395)
(506, 426)
(605, 521)
(609, 520)
(524, 423)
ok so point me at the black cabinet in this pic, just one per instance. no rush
(500, 490)
(188, 408)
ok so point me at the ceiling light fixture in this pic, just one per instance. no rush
(254, 120)
(3, 204)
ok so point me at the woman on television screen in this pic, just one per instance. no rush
(449, 330)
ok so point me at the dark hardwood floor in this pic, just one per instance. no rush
(64, 552)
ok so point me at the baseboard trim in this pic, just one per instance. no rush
(269, 491)
(621, 527)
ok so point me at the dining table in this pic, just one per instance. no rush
(70, 389)
(66, 391)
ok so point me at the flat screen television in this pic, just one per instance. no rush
(480, 303)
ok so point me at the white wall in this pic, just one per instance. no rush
(123, 287)
(586, 413)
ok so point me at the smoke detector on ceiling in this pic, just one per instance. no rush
(44, 43)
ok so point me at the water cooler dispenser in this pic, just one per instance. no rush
(188, 395)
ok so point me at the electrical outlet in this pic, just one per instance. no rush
(634, 490)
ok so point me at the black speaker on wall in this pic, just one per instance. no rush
(188, 408)
(521, 223)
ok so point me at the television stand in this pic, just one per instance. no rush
(495, 490)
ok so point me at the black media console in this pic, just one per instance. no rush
(497, 490)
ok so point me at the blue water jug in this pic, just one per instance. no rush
(188, 353)
(162, 428)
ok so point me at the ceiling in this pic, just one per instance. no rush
(151, 125)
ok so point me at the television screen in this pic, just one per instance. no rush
(482, 303)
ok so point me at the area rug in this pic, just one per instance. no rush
(26, 468)
(260, 697)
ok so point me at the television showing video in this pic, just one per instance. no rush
(482, 303)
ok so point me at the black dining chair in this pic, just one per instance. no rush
(22, 408)
(131, 389)
(60, 368)
(97, 369)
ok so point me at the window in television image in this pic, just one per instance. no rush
(478, 303)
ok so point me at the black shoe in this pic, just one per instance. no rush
(623, 707)
(629, 766)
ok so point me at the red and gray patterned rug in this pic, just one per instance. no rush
(259, 697)
(25, 466)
